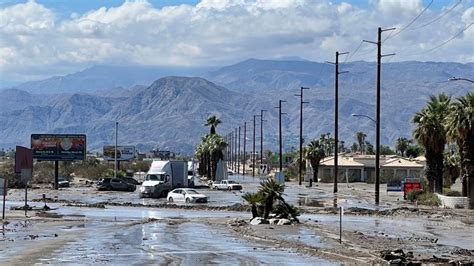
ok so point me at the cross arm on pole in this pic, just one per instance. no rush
(392, 54)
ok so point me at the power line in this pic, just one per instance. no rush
(443, 43)
(411, 22)
(440, 16)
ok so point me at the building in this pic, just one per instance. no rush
(357, 168)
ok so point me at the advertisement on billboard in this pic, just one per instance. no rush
(58, 147)
(124, 153)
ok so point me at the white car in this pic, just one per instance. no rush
(187, 195)
(227, 185)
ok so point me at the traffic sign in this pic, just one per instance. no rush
(263, 170)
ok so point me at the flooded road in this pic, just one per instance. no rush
(121, 228)
(121, 235)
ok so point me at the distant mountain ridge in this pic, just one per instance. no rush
(170, 113)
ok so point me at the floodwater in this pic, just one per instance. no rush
(127, 235)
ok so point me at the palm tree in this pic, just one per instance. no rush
(314, 153)
(402, 145)
(361, 140)
(460, 129)
(253, 199)
(213, 121)
(272, 191)
(215, 146)
(431, 134)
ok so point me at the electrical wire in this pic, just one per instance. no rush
(443, 43)
(439, 17)
(408, 25)
(353, 53)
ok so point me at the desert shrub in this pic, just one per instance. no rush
(412, 195)
(423, 198)
(429, 199)
(453, 193)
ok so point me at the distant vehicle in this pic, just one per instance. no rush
(191, 173)
(163, 177)
(130, 180)
(227, 184)
(62, 182)
(115, 184)
(187, 195)
(230, 172)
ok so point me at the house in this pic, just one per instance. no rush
(356, 168)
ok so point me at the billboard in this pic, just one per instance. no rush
(23, 159)
(124, 153)
(58, 147)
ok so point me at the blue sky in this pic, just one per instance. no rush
(42, 38)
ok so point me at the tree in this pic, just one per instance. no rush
(431, 134)
(402, 145)
(369, 148)
(254, 199)
(354, 147)
(385, 150)
(314, 153)
(213, 122)
(271, 191)
(414, 151)
(360, 136)
(460, 129)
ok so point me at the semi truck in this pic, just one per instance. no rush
(163, 177)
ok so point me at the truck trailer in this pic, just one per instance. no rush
(163, 177)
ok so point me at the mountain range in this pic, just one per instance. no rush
(170, 112)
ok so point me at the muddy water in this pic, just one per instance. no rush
(445, 232)
(126, 235)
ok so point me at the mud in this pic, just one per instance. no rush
(82, 225)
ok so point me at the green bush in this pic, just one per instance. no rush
(413, 195)
(452, 193)
(423, 197)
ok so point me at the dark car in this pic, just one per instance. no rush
(130, 180)
(115, 184)
(62, 182)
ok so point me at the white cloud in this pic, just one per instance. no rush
(34, 42)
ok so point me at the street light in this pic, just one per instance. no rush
(366, 116)
(465, 79)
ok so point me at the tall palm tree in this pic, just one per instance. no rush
(213, 122)
(216, 145)
(402, 145)
(431, 134)
(460, 129)
(361, 140)
(314, 153)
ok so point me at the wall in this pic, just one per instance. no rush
(452, 202)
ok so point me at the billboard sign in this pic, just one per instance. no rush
(58, 147)
(23, 159)
(124, 153)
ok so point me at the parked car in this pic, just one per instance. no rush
(62, 182)
(187, 195)
(230, 172)
(130, 180)
(116, 184)
(227, 184)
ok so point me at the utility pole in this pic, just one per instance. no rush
(238, 155)
(301, 134)
(235, 152)
(261, 135)
(377, 117)
(115, 162)
(253, 151)
(280, 135)
(245, 144)
(336, 118)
